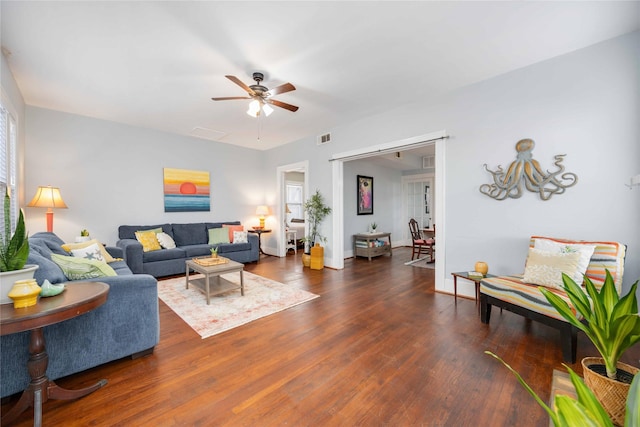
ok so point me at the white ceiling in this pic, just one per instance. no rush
(157, 64)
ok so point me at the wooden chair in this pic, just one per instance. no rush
(420, 244)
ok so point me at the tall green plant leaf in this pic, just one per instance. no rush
(632, 416)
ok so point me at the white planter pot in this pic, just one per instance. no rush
(80, 239)
(8, 278)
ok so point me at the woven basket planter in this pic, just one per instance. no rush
(611, 394)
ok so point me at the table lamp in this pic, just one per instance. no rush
(262, 211)
(48, 197)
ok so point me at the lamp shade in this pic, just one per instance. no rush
(262, 210)
(47, 197)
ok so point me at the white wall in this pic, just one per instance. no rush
(583, 104)
(111, 174)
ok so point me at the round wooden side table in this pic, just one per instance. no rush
(77, 299)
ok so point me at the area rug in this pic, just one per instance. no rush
(262, 297)
(421, 263)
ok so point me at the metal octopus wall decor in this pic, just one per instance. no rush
(526, 170)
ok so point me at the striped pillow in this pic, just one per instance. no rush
(606, 256)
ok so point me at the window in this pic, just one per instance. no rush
(8, 164)
(294, 199)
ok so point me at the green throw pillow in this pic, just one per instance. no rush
(218, 235)
(82, 268)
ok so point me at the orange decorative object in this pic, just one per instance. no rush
(482, 267)
(317, 257)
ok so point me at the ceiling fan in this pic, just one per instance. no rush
(261, 95)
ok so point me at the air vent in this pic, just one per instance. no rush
(324, 139)
(428, 162)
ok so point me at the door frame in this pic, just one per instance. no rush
(281, 197)
(336, 259)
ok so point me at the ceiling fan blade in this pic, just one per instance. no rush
(241, 84)
(287, 87)
(226, 98)
(282, 104)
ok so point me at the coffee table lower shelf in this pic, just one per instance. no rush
(212, 284)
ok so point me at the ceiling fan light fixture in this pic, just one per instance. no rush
(267, 109)
(254, 108)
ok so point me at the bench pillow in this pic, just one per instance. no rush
(606, 256)
(545, 268)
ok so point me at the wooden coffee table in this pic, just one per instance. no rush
(212, 283)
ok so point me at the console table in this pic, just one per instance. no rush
(362, 245)
(77, 299)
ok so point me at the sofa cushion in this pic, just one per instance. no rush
(233, 247)
(218, 235)
(545, 268)
(148, 240)
(69, 247)
(197, 250)
(240, 237)
(47, 269)
(165, 240)
(88, 252)
(163, 255)
(511, 289)
(129, 231)
(190, 234)
(232, 228)
(80, 268)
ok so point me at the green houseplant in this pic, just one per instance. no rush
(612, 323)
(14, 250)
(316, 211)
(587, 410)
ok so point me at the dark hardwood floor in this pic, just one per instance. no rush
(378, 348)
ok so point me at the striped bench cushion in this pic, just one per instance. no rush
(607, 255)
(511, 289)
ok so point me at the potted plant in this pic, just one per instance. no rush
(84, 236)
(374, 227)
(214, 252)
(587, 410)
(14, 250)
(316, 212)
(613, 325)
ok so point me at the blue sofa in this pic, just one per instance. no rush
(126, 325)
(191, 241)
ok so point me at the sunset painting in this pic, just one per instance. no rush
(186, 190)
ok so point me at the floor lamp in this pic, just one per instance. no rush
(48, 197)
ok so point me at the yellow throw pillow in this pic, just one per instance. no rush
(73, 246)
(148, 240)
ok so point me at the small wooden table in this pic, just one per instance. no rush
(259, 232)
(77, 299)
(212, 277)
(465, 275)
(371, 251)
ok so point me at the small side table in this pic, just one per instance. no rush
(78, 298)
(292, 241)
(465, 275)
(259, 232)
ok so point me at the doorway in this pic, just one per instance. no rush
(336, 259)
(291, 175)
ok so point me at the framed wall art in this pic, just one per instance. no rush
(365, 195)
(186, 190)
